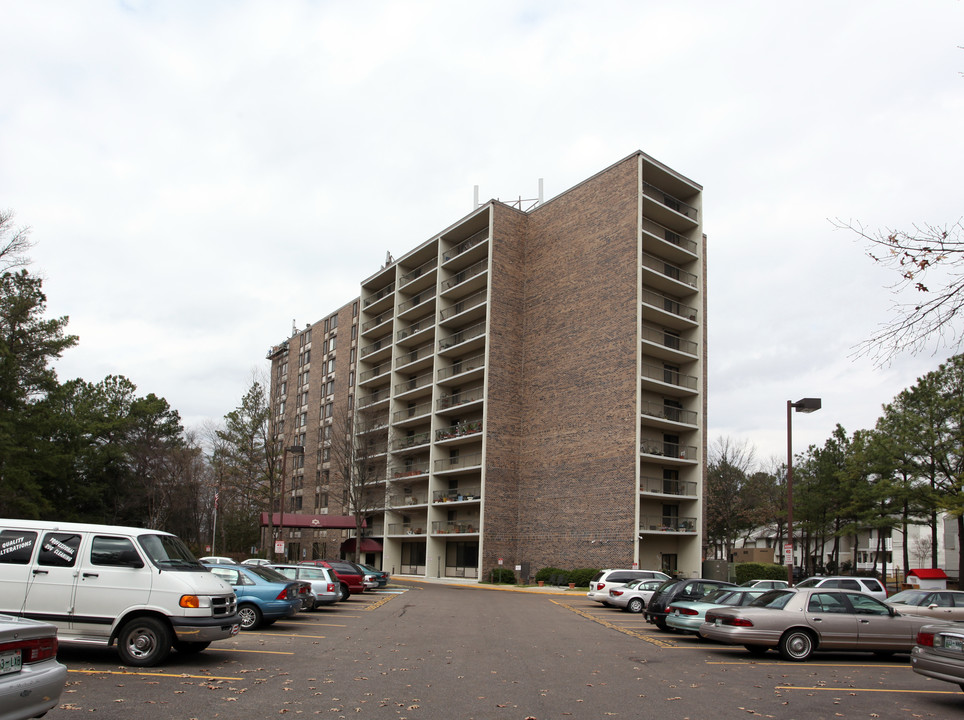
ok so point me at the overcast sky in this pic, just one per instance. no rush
(199, 175)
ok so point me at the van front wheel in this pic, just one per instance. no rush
(144, 642)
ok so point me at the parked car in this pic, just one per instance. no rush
(606, 580)
(634, 595)
(766, 584)
(868, 585)
(381, 576)
(798, 622)
(935, 604)
(688, 616)
(692, 589)
(217, 560)
(939, 653)
(350, 576)
(264, 595)
(256, 561)
(31, 679)
(325, 588)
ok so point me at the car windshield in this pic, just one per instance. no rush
(168, 552)
(809, 582)
(909, 597)
(266, 573)
(775, 599)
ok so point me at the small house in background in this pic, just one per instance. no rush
(927, 579)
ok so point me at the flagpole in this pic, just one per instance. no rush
(214, 526)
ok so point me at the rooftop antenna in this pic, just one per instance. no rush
(519, 203)
(388, 258)
(294, 327)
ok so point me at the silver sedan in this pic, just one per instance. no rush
(31, 679)
(635, 595)
(938, 605)
(939, 653)
(799, 622)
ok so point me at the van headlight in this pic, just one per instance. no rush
(194, 601)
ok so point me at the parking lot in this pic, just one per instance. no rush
(437, 650)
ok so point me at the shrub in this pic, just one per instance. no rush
(582, 576)
(547, 573)
(759, 571)
(502, 575)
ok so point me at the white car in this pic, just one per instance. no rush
(635, 595)
(325, 590)
(606, 580)
(31, 679)
(766, 584)
(217, 560)
(868, 585)
(256, 561)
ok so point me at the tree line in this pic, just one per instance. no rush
(907, 470)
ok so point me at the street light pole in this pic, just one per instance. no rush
(807, 405)
(294, 450)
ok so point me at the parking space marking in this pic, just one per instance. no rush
(265, 652)
(151, 674)
(790, 663)
(873, 690)
(658, 642)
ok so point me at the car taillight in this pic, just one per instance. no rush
(615, 593)
(600, 586)
(284, 594)
(737, 622)
(331, 587)
(926, 639)
(682, 611)
(32, 651)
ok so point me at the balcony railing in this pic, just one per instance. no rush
(467, 303)
(407, 499)
(374, 372)
(458, 462)
(467, 244)
(669, 340)
(460, 430)
(663, 486)
(457, 495)
(668, 412)
(422, 297)
(416, 327)
(410, 441)
(376, 321)
(462, 336)
(416, 273)
(406, 529)
(418, 353)
(462, 275)
(669, 236)
(668, 449)
(671, 202)
(669, 376)
(376, 397)
(406, 471)
(669, 270)
(384, 292)
(461, 398)
(412, 412)
(667, 523)
(375, 346)
(456, 528)
(414, 383)
(461, 366)
(669, 304)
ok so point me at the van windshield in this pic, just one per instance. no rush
(168, 551)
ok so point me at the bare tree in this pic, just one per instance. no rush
(917, 255)
(15, 243)
(922, 549)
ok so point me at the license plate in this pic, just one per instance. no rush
(953, 643)
(10, 662)
(718, 622)
(676, 613)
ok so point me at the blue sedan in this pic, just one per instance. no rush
(264, 595)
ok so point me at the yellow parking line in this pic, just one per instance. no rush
(807, 664)
(150, 674)
(266, 652)
(875, 690)
(658, 642)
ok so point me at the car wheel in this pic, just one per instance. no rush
(345, 592)
(144, 642)
(797, 645)
(756, 649)
(250, 617)
(635, 605)
(190, 648)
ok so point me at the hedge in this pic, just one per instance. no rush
(759, 571)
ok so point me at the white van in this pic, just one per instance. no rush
(103, 583)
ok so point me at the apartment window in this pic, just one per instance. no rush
(354, 309)
(325, 454)
(672, 410)
(351, 379)
(351, 402)
(671, 482)
(331, 344)
(331, 387)
(671, 374)
(334, 321)
(354, 332)
(351, 356)
(326, 324)
(284, 388)
(328, 410)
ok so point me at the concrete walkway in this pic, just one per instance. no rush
(468, 583)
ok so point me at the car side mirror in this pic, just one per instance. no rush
(933, 606)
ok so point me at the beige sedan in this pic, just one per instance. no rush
(935, 604)
(799, 622)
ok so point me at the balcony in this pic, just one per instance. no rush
(412, 528)
(663, 486)
(417, 331)
(473, 241)
(411, 441)
(419, 304)
(467, 494)
(409, 470)
(667, 345)
(379, 396)
(461, 369)
(458, 399)
(377, 350)
(670, 453)
(411, 414)
(668, 210)
(667, 523)
(673, 245)
(462, 310)
(379, 300)
(455, 528)
(376, 322)
(471, 278)
(415, 358)
(462, 337)
(423, 271)
(666, 415)
(366, 376)
(459, 463)
(669, 310)
(668, 380)
(666, 276)
(465, 429)
(413, 383)
(407, 500)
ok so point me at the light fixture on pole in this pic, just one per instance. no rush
(294, 450)
(807, 405)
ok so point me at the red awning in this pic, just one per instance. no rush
(929, 574)
(367, 545)
(337, 522)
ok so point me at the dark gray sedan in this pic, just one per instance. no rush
(799, 622)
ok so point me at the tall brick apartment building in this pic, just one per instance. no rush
(533, 383)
